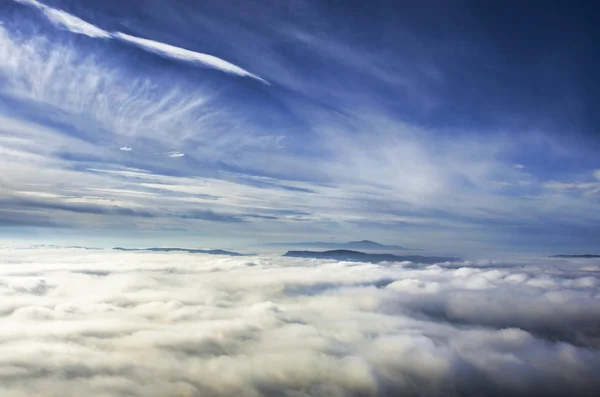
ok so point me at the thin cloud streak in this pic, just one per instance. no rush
(64, 20)
(182, 54)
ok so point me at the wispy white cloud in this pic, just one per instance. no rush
(64, 20)
(170, 51)
(74, 24)
(587, 188)
(175, 154)
(126, 149)
(99, 99)
(77, 25)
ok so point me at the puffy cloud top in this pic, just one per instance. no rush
(107, 323)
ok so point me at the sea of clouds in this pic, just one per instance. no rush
(77, 322)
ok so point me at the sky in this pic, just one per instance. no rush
(449, 126)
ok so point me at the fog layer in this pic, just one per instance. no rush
(109, 323)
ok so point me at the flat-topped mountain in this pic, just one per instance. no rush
(357, 256)
(352, 245)
(584, 256)
(188, 250)
(368, 244)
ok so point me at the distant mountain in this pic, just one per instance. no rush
(348, 255)
(368, 244)
(84, 248)
(352, 245)
(585, 256)
(79, 247)
(191, 251)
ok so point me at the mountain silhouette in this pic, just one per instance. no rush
(584, 256)
(188, 250)
(357, 256)
(352, 245)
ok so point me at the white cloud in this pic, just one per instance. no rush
(519, 166)
(64, 20)
(97, 323)
(76, 25)
(79, 85)
(170, 51)
(73, 24)
(586, 188)
(175, 154)
(125, 149)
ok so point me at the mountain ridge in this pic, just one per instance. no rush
(582, 256)
(351, 245)
(357, 256)
(188, 250)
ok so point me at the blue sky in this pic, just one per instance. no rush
(450, 126)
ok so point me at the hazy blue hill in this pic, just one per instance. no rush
(584, 256)
(348, 255)
(188, 250)
(368, 244)
(352, 245)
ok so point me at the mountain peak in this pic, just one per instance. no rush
(366, 242)
(351, 255)
(362, 244)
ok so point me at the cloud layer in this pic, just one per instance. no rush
(105, 323)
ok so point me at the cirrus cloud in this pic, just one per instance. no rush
(73, 24)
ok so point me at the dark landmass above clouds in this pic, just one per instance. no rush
(584, 256)
(352, 245)
(188, 250)
(84, 248)
(348, 255)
